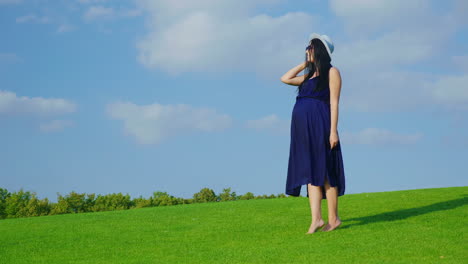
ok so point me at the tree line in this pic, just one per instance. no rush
(26, 203)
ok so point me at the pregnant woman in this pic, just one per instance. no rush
(315, 155)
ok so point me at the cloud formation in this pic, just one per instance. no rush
(11, 104)
(151, 124)
(379, 136)
(213, 36)
(271, 123)
(55, 125)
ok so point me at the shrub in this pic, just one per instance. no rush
(205, 195)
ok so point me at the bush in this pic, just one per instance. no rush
(247, 196)
(163, 199)
(36, 207)
(141, 202)
(25, 203)
(4, 194)
(16, 204)
(226, 195)
(110, 202)
(205, 195)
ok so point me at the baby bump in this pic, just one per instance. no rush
(313, 115)
(311, 107)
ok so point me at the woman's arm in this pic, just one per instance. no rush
(335, 89)
(290, 76)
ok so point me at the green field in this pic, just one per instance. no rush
(411, 226)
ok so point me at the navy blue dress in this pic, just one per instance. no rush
(310, 158)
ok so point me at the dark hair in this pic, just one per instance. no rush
(321, 61)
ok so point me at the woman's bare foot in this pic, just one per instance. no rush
(314, 226)
(332, 226)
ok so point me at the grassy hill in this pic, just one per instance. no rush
(411, 226)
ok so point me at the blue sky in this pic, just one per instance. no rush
(140, 96)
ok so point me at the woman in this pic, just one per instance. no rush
(315, 155)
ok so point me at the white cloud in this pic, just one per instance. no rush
(378, 57)
(214, 35)
(363, 17)
(55, 125)
(385, 45)
(385, 91)
(386, 34)
(95, 13)
(398, 47)
(65, 28)
(151, 124)
(401, 91)
(33, 19)
(99, 12)
(378, 136)
(271, 123)
(130, 12)
(10, 103)
(452, 91)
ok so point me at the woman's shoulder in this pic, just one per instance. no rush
(334, 68)
(334, 71)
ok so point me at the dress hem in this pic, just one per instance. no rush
(296, 191)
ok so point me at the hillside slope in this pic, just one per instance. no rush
(411, 226)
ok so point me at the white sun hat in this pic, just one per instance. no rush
(326, 41)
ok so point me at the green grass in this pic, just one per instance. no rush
(411, 226)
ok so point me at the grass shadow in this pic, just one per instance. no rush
(406, 213)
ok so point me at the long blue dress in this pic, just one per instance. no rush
(310, 159)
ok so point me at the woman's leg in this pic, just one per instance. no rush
(315, 199)
(332, 202)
